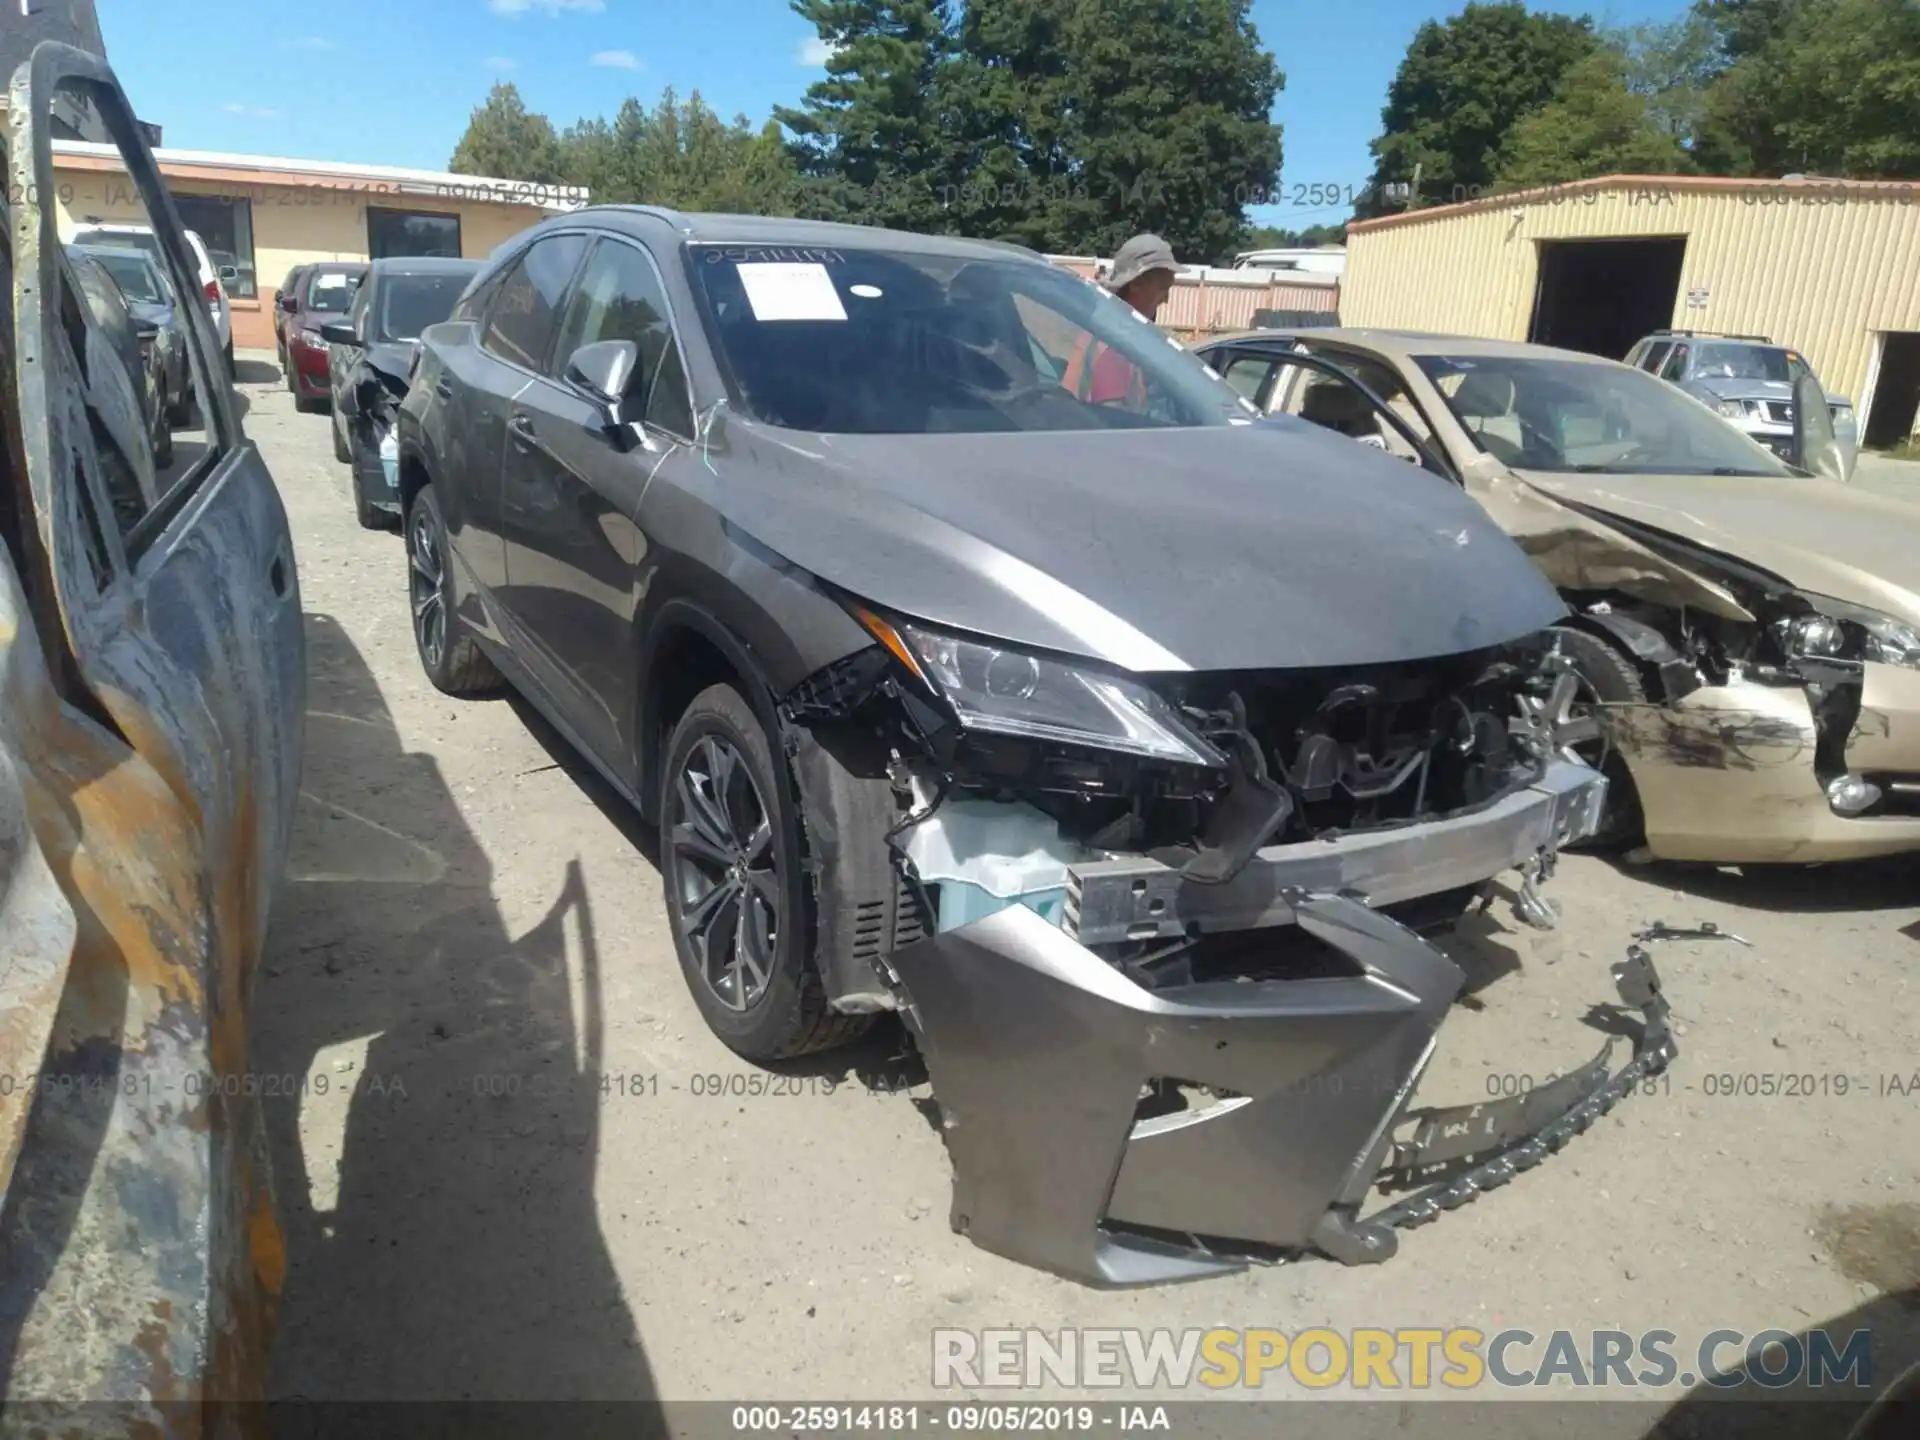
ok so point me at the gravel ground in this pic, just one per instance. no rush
(533, 1174)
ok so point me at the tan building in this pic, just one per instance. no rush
(260, 215)
(1830, 267)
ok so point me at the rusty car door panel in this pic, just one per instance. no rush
(139, 1255)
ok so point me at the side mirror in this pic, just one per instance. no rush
(604, 370)
(289, 303)
(1815, 447)
(229, 273)
(338, 332)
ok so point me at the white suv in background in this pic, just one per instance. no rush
(141, 237)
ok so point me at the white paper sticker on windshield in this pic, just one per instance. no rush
(791, 292)
(330, 282)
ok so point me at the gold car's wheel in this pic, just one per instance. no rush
(1606, 677)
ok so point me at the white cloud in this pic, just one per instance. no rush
(814, 52)
(314, 42)
(502, 62)
(545, 7)
(616, 60)
(252, 112)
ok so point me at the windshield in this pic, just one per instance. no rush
(133, 275)
(410, 303)
(901, 343)
(331, 291)
(1570, 415)
(1741, 362)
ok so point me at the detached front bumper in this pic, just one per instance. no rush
(1039, 1051)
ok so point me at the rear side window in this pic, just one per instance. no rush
(620, 298)
(1654, 355)
(526, 309)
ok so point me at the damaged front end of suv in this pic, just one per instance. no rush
(1161, 937)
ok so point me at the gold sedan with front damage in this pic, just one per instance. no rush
(1747, 632)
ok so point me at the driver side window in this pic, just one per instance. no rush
(1676, 367)
(620, 298)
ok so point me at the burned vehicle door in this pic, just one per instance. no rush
(149, 761)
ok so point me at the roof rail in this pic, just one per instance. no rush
(1715, 335)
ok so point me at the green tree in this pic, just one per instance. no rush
(1835, 91)
(1463, 85)
(1269, 237)
(683, 155)
(1594, 125)
(1672, 66)
(506, 140)
(868, 139)
(1086, 121)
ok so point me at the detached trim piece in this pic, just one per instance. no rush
(1139, 898)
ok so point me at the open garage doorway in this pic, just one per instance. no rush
(1602, 295)
(1896, 390)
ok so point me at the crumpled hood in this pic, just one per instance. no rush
(1818, 535)
(1239, 547)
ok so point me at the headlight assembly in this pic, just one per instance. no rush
(1839, 631)
(1733, 409)
(1009, 691)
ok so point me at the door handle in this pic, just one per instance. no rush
(521, 429)
(443, 389)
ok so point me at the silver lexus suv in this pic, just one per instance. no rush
(1747, 378)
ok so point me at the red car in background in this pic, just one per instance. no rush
(324, 293)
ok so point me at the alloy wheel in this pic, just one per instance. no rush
(726, 891)
(1568, 719)
(426, 574)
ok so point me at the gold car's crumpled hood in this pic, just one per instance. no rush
(1820, 536)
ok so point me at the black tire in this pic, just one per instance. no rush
(1613, 678)
(788, 1014)
(293, 386)
(458, 666)
(341, 451)
(227, 355)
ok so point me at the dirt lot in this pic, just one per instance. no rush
(533, 1174)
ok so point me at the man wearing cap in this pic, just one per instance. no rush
(1142, 275)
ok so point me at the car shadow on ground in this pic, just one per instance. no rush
(255, 372)
(1826, 1407)
(432, 1097)
(883, 1058)
(1887, 883)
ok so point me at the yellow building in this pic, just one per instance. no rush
(261, 215)
(1830, 267)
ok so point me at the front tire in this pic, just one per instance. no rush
(341, 451)
(737, 900)
(1611, 678)
(452, 658)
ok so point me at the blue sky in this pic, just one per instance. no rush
(393, 81)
